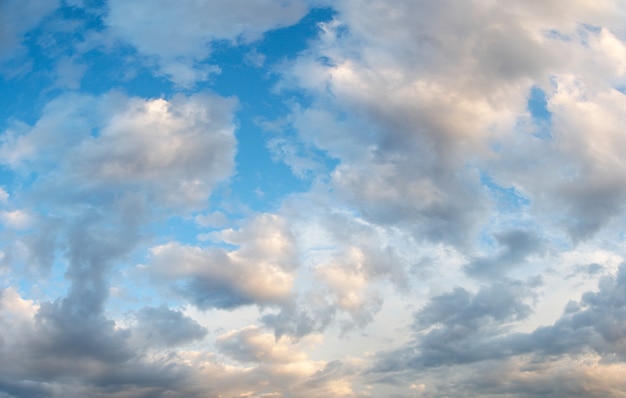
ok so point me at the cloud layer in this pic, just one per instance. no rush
(401, 199)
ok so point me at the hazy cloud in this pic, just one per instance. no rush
(180, 35)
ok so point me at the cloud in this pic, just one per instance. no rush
(182, 34)
(452, 320)
(164, 327)
(106, 167)
(578, 175)
(517, 245)
(17, 219)
(345, 263)
(414, 99)
(259, 271)
(272, 368)
(252, 345)
(592, 323)
(17, 18)
(286, 360)
(461, 328)
(214, 219)
(459, 175)
(173, 152)
(56, 341)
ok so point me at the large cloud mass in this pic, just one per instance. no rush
(452, 224)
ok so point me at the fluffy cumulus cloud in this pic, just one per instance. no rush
(384, 74)
(304, 198)
(106, 165)
(172, 151)
(258, 272)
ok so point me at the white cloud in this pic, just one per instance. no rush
(172, 152)
(4, 195)
(18, 219)
(215, 219)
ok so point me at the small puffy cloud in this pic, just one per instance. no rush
(17, 219)
(257, 272)
(69, 73)
(4, 195)
(215, 219)
(14, 308)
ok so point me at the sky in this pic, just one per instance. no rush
(307, 198)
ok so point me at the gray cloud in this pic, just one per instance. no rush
(595, 322)
(313, 314)
(463, 329)
(517, 245)
(161, 326)
(382, 76)
(65, 349)
(462, 323)
(17, 18)
(106, 167)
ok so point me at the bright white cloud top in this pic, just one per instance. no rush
(294, 198)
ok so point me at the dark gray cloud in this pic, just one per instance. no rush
(596, 322)
(23, 388)
(461, 329)
(64, 353)
(459, 325)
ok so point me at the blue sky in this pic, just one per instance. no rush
(304, 198)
